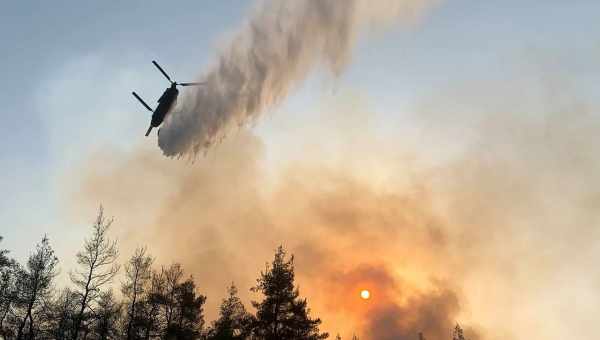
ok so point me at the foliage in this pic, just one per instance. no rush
(34, 283)
(233, 322)
(137, 275)
(155, 304)
(458, 333)
(282, 314)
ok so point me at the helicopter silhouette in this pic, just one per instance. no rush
(165, 102)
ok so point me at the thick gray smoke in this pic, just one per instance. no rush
(273, 52)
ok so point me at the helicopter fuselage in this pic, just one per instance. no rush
(165, 103)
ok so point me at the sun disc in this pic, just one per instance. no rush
(365, 294)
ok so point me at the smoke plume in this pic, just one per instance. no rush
(272, 53)
(498, 233)
(223, 218)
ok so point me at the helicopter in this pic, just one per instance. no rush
(165, 102)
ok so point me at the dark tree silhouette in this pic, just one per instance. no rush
(8, 290)
(233, 322)
(106, 318)
(137, 275)
(8, 294)
(4, 260)
(97, 262)
(153, 302)
(62, 313)
(188, 318)
(155, 305)
(282, 315)
(34, 283)
(458, 333)
(172, 279)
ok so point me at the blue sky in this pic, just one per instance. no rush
(62, 59)
(44, 44)
(47, 44)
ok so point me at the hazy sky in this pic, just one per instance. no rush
(68, 69)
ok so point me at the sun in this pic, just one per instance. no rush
(365, 294)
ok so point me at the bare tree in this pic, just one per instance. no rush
(137, 274)
(97, 262)
(34, 283)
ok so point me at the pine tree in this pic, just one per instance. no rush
(458, 333)
(98, 266)
(138, 272)
(8, 291)
(172, 279)
(34, 284)
(106, 317)
(233, 319)
(282, 315)
(4, 260)
(188, 318)
(62, 313)
(152, 305)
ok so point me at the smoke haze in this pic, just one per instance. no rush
(282, 42)
(486, 214)
(497, 234)
(222, 218)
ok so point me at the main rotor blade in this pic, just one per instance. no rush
(190, 84)
(142, 101)
(161, 70)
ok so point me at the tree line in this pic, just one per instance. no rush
(153, 303)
